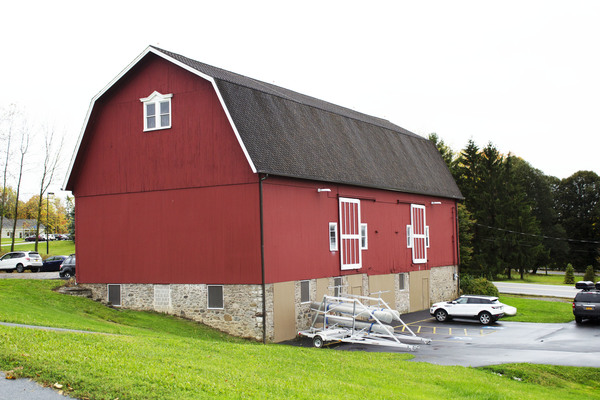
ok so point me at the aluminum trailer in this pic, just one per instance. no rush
(347, 319)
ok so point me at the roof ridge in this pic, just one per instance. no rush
(275, 90)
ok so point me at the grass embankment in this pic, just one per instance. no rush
(57, 247)
(147, 355)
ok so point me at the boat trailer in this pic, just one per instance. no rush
(358, 319)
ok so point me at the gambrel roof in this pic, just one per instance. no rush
(286, 133)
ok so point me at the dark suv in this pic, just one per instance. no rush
(586, 304)
(67, 268)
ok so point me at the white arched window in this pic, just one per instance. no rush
(157, 111)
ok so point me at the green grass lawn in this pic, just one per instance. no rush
(145, 355)
(540, 311)
(57, 247)
(541, 278)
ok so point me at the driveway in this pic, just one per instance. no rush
(467, 343)
(29, 275)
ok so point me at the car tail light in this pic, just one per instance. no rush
(573, 305)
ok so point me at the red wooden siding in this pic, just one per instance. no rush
(200, 149)
(178, 205)
(204, 235)
(296, 230)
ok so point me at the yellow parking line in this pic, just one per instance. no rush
(466, 334)
(419, 330)
(449, 331)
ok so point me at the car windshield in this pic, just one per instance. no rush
(591, 297)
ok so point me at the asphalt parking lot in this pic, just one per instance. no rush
(467, 343)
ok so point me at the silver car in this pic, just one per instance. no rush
(20, 261)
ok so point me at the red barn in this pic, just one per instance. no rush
(234, 202)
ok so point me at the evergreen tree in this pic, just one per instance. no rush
(569, 275)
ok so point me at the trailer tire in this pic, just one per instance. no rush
(318, 342)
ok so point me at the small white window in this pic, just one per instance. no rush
(114, 294)
(157, 111)
(364, 243)
(215, 297)
(409, 242)
(304, 291)
(427, 237)
(333, 237)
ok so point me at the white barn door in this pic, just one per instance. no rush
(419, 240)
(350, 250)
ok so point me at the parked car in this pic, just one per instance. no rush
(53, 263)
(586, 304)
(486, 309)
(67, 268)
(32, 238)
(20, 261)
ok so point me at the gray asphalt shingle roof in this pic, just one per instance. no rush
(290, 134)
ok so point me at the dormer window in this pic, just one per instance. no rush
(157, 111)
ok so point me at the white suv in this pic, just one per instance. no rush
(486, 309)
(20, 261)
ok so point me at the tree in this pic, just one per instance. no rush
(24, 146)
(589, 274)
(51, 159)
(7, 132)
(445, 150)
(71, 216)
(578, 203)
(569, 275)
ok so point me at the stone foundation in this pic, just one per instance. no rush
(444, 285)
(241, 314)
(242, 310)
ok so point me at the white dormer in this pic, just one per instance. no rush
(157, 111)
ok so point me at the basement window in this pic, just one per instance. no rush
(337, 286)
(402, 281)
(304, 291)
(114, 294)
(215, 297)
(157, 111)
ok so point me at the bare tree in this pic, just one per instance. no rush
(51, 159)
(24, 134)
(9, 119)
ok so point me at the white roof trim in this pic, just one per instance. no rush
(150, 49)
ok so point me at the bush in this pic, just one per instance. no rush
(589, 274)
(472, 285)
(569, 275)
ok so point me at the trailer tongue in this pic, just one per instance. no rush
(348, 319)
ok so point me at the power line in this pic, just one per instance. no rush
(541, 236)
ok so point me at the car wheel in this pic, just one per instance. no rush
(441, 315)
(20, 268)
(67, 275)
(485, 318)
(318, 342)
(578, 320)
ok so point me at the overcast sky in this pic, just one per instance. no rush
(524, 75)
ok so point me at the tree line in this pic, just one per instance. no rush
(27, 147)
(514, 217)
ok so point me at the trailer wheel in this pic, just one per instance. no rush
(318, 342)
